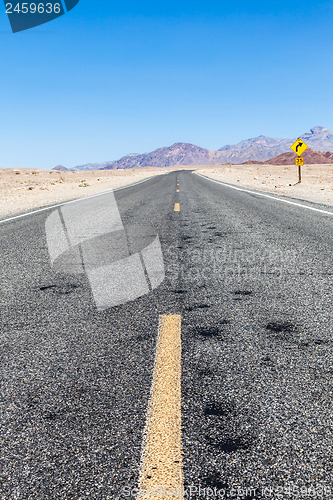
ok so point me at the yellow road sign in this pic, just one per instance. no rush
(299, 147)
(299, 161)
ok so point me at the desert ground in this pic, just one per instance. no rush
(22, 189)
(316, 185)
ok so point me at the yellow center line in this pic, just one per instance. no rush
(177, 190)
(162, 467)
(177, 207)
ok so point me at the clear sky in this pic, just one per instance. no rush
(111, 78)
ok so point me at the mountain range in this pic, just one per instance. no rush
(257, 149)
(264, 148)
(310, 157)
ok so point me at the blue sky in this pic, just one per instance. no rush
(112, 78)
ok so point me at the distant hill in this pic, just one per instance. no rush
(100, 166)
(60, 168)
(319, 138)
(89, 166)
(258, 149)
(310, 157)
(178, 154)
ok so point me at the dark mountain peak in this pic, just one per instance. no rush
(319, 138)
(180, 145)
(179, 153)
(60, 168)
(184, 146)
(318, 129)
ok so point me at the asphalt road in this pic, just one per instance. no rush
(251, 277)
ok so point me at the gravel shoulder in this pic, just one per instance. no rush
(24, 189)
(316, 186)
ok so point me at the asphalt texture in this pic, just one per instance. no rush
(253, 281)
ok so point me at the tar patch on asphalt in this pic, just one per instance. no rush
(198, 306)
(243, 293)
(284, 327)
(208, 332)
(143, 338)
(51, 415)
(229, 445)
(316, 342)
(205, 372)
(267, 360)
(212, 331)
(284, 331)
(227, 426)
(214, 480)
(46, 287)
(63, 289)
(320, 342)
(219, 409)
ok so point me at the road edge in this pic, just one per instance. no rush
(270, 196)
(60, 204)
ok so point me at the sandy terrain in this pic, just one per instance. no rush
(22, 189)
(317, 180)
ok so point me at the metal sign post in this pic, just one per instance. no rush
(299, 162)
(299, 147)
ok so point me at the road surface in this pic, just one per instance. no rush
(250, 280)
